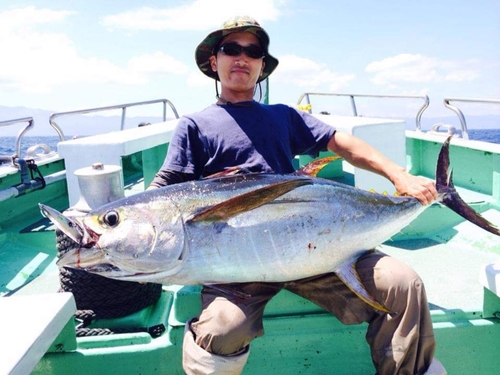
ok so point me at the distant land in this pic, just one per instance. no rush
(79, 125)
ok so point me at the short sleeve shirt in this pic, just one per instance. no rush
(252, 136)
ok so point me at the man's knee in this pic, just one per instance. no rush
(197, 361)
(390, 280)
(224, 332)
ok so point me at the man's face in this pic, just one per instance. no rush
(238, 73)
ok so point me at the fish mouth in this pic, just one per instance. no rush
(84, 259)
(95, 262)
(97, 265)
(68, 226)
(77, 230)
(106, 268)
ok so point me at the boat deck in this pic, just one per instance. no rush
(448, 253)
(449, 261)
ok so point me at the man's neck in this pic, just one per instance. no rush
(227, 97)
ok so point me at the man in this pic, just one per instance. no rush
(237, 131)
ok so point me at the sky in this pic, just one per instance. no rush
(63, 55)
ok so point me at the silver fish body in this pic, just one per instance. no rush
(308, 231)
(256, 227)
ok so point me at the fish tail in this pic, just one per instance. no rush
(448, 196)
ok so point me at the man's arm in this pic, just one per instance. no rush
(362, 155)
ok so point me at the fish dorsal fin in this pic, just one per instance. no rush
(313, 168)
(248, 201)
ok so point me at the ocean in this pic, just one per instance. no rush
(8, 144)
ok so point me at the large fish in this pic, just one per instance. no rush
(243, 228)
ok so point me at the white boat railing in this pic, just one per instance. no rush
(29, 126)
(460, 114)
(352, 97)
(123, 107)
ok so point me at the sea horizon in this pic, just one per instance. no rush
(8, 143)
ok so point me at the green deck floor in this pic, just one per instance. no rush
(450, 262)
(300, 338)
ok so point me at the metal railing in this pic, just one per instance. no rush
(461, 117)
(31, 125)
(123, 107)
(418, 117)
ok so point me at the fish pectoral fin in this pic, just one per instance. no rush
(349, 275)
(313, 168)
(248, 201)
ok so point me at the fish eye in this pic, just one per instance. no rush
(111, 218)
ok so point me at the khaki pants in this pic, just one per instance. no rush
(401, 343)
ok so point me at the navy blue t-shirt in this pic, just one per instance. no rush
(253, 136)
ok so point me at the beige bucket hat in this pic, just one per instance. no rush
(236, 24)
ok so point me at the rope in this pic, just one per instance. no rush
(98, 297)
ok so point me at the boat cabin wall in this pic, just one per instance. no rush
(146, 147)
(386, 135)
(475, 164)
(141, 151)
(146, 144)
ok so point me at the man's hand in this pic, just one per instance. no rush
(362, 155)
(421, 188)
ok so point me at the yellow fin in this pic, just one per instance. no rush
(349, 275)
(313, 168)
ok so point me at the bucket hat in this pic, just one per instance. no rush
(209, 45)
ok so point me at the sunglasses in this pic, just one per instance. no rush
(234, 49)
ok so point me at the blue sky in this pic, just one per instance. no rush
(65, 55)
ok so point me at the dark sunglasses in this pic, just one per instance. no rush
(234, 49)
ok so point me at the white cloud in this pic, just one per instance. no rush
(308, 74)
(416, 68)
(20, 18)
(198, 15)
(36, 61)
(157, 62)
(198, 79)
